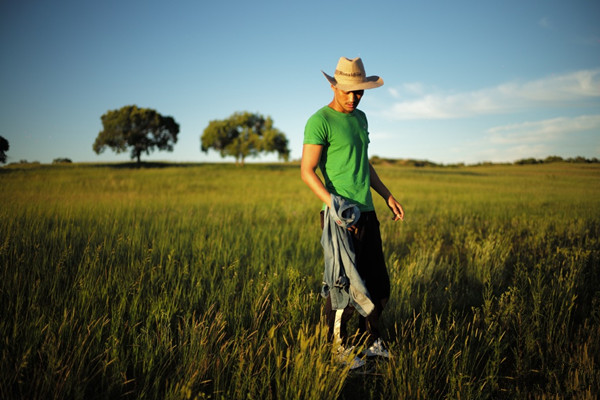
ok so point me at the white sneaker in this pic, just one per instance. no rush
(377, 350)
(345, 357)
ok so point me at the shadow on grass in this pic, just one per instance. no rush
(446, 292)
(364, 383)
(143, 165)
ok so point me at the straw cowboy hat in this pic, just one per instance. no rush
(350, 75)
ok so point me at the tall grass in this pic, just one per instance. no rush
(202, 282)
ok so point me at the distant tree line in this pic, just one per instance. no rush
(241, 135)
(526, 161)
(554, 159)
(376, 160)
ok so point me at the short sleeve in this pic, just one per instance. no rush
(316, 130)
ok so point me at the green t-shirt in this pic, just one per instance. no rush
(344, 161)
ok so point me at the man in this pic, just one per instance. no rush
(336, 140)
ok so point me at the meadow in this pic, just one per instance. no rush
(203, 281)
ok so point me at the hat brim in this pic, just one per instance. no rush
(370, 82)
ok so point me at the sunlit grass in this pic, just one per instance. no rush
(203, 282)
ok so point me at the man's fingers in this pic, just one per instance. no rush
(398, 214)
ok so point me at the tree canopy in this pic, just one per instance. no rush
(244, 134)
(141, 129)
(3, 149)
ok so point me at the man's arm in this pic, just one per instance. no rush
(384, 192)
(311, 153)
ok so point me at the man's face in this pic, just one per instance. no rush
(345, 102)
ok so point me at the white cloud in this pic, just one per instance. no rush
(415, 88)
(537, 139)
(410, 89)
(552, 91)
(571, 87)
(542, 131)
(393, 92)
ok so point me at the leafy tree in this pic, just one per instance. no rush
(3, 149)
(244, 134)
(62, 160)
(142, 129)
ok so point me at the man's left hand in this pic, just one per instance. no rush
(396, 208)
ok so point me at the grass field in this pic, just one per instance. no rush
(203, 281)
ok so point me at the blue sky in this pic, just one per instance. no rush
(465, 81)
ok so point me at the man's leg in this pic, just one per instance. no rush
(337, 322)
(371, 266)
(370, 323)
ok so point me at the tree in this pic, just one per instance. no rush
(62, 160)
(142, 129)
(3, 149)
(244, 134)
